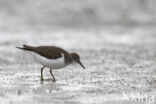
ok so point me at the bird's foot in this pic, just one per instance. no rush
(41, 79)
(54, 80)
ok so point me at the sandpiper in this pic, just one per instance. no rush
(52, 57)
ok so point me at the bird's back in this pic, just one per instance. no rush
(50, 52)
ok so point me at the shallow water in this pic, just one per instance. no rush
(117, 61)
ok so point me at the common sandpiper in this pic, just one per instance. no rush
(52, 57)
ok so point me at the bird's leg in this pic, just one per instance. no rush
(42, 73)
(52, 75)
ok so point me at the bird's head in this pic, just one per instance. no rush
(76, 58)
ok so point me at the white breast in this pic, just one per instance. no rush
(51, 63)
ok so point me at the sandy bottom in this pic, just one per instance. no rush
(120, 67)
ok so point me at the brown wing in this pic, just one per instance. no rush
(50, 52)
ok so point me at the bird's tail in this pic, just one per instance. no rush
(25, 47)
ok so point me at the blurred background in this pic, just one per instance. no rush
(116, 40)
(19, 15)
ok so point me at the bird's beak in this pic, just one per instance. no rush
(81, 64)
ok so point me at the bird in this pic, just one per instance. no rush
(52, 57)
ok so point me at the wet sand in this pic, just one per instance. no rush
(117, 61)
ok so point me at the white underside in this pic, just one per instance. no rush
(51, 63)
